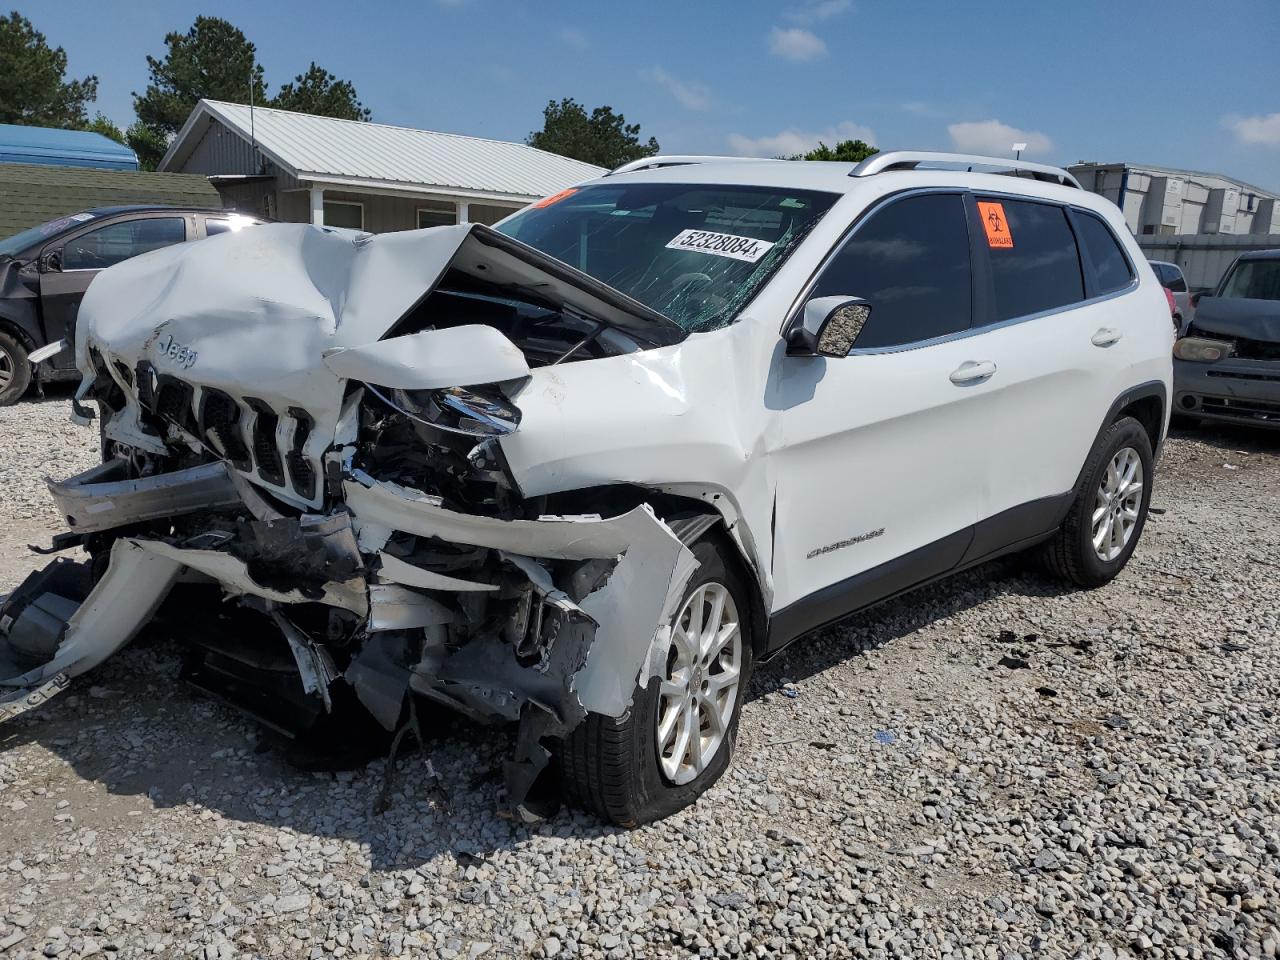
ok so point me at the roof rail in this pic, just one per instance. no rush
(678, 160)
(911, 159)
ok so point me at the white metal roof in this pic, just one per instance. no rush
(360, 154)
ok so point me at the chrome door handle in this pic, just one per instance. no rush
(973, 371)
(1105, 337)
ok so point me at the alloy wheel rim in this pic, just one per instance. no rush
(6, 368)
(1117, 504)
(697, 696)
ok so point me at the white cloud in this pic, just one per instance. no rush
(818, 11)
(573, 37)
(993, 138)
(1264, 130)
(790, 142)
(689, 94)
(792, 43)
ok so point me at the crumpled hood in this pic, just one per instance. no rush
(258, 308)
(1239, 318)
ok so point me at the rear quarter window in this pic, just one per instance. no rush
(1111, 270)
(1034, 262)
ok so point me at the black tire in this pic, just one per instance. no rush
(15, 369)
(610, 767)
(1070, 555)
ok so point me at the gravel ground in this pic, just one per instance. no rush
(993, 767)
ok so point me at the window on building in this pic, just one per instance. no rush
(911, 262)
(116, 242)
(1038, 267)
(1110, 266)
(436, 213)
(342, 213)
(488, 213)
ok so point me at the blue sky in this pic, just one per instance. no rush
(1170, 82)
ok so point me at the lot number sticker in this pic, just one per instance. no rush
(995, 224)
(721, 245)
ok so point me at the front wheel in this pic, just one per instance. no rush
(677, 738)
(15, 369)
(1108, 511)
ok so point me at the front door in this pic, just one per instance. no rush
(880, 455)
(69, 265)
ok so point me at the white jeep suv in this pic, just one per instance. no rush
(582, 471)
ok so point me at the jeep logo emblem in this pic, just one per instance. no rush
(184, 357)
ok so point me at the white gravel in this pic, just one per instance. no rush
(897, 791)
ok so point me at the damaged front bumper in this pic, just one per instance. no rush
(387, 592)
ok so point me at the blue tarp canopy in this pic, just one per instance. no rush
(63, 148)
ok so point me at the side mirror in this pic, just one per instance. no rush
(51, 262)
(827, 327)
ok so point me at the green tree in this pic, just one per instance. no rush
(213, 60)
(847, 151)
(319, 91)
(103, 124)
(150, 145)
(603, 138)
(33, 85)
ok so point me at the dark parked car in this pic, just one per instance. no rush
(44, 272)
(1227, 367)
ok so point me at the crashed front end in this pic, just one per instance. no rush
(302, 445)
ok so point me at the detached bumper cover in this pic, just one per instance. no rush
(123, 601)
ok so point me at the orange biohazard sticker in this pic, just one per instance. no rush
(995, 224)
(554, 198)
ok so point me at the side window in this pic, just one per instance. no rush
(1177, 282)
(1110, 268)
(1034, 262)
(214, 227)
(911, 262)
(437, 213)
(115, 242)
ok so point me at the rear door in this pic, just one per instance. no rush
(82, 256)
(1053, 315)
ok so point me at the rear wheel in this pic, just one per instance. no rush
(15, 370)
(677, 738)
(1109, 510)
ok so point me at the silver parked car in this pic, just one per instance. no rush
(1171, 278)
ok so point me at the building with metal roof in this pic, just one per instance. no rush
(351, 173)
(50, 146)
(1165, 201)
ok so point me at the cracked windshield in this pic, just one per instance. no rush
(693, 253)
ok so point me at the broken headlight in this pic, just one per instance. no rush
(475, 412)
(1202, 349)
